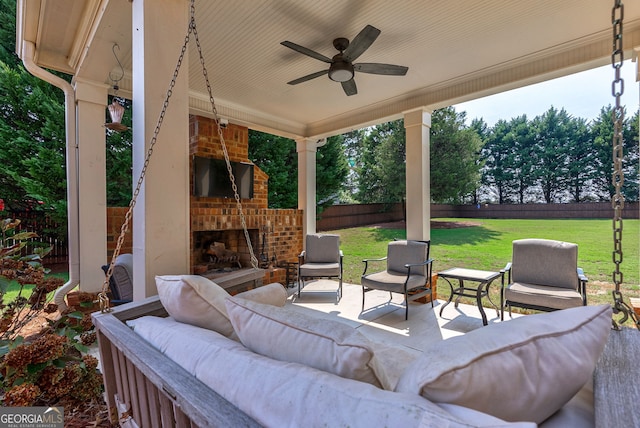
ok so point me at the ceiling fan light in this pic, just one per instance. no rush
(341, 72)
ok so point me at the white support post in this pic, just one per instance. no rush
(91, 102)
(161, 216)
(307, 149)
(417, 125)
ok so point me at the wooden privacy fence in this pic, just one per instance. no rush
(344, 216)
(336, 217)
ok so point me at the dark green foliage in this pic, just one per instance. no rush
(455, 164)
(277, 157)
(557, 158)
(32, 133)
(500, 166)
(8, 33)
(602, 136)
(551, 145)
(331, 172)
(32, 142)
(580, 160)
(381, 165)
(119, 161)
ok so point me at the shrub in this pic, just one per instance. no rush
(50, 364)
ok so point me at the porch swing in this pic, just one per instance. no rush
(616, 392)
(103, 297)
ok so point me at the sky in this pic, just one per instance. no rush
(581, 95)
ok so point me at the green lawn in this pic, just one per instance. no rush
(14, 288)
(487, 246)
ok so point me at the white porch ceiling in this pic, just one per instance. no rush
(455, 50)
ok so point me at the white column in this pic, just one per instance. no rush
(161, 215)
(307, 149)
(91, 104)
(417, 125)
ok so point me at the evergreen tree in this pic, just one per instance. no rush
(331, 172)
(580, 154)
(498, 152)
(32, 134)
(455, 151)
(382, 174)
(352, 143)
(277, 157)
(524, 159)
(551, 151)
(601, 145)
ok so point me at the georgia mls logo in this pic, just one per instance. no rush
(32, 417)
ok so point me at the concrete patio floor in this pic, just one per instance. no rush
(384, 321)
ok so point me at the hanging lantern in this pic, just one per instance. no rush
(116, 110)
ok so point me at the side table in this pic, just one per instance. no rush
(482, 277)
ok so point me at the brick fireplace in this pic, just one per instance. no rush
(275, 234)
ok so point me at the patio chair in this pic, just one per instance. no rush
(321, 258)
(543, 275)
(408, 272)
(121, 281)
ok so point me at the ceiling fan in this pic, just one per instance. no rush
(342, 68)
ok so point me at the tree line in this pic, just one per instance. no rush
(555, 158)
(552, 158)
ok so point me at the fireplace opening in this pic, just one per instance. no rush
(223, 250)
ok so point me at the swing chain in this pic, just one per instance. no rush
(617, 200)
(103, 298)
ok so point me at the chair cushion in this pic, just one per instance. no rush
(400, 253)
(519, 370)
(320, 269)
(123, 276)
(322, 248)
(292, 336)
(196, 300)
(542, 295)
(392, 281)
(545, 262)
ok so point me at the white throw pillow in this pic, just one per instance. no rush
(195, 300)
(291, 336)
(520, 370)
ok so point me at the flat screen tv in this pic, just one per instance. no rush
(211, 178)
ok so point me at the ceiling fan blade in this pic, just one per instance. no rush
(374, 68)
(306, 51)
(350, 87)
(308, 77)
(361, 42)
